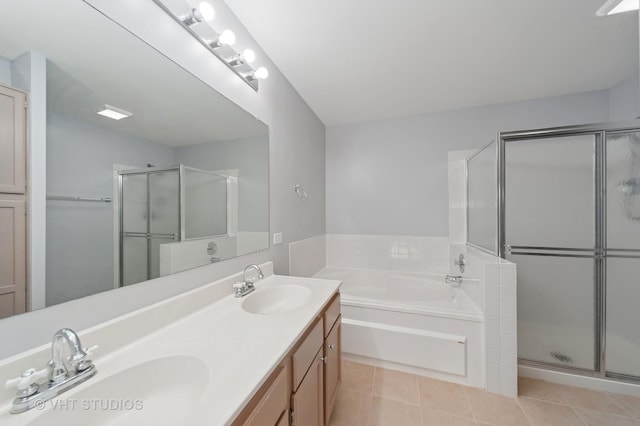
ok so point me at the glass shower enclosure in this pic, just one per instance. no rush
(568, 209)
(164, 205)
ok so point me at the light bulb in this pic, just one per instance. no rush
(206, 11)
(227, 38)
(261, 73)
(248, 56)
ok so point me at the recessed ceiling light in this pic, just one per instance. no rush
(114, 113)
(611, 7)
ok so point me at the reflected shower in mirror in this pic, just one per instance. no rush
(178, 180)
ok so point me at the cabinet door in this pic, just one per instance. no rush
(332, 368)
(12, 141)
(307, 401)
(12, 257)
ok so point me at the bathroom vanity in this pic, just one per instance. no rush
(205, 357)
(303, 388)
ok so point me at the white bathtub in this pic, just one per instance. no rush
(416, 323)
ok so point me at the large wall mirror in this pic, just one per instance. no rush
(180, 183)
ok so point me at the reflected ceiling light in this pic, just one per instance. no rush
(612, 7)
(114, 112)
(218, 43)
(204, 12)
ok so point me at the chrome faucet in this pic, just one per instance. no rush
(454, 280)
(246, 286)
(63, 373)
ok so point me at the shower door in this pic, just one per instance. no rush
(550, 225)
(623, 254)
(149, 217)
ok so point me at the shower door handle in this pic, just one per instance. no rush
(165, 236)
(152, 235)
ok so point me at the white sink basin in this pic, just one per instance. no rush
(163, 391)
(276, 300)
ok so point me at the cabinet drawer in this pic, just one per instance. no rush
(305, 354)
(331, 314)
(273, 405)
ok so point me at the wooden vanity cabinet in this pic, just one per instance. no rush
(309, 377)
(332, 368)
(270, 405)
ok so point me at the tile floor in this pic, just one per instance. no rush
(377, 396)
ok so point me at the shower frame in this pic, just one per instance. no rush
(598, 253)
(181, 234)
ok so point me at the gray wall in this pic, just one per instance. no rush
(389, 176)
(80, 158)
(624, 99)
(5, 71)
(248, 157)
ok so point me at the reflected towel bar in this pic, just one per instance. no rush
(68, 198)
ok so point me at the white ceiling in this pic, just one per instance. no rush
(359, 60)
(93, 61)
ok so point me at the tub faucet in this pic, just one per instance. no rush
(454, 280)
(63, 373)
(246, 286)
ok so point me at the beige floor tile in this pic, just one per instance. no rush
(439, 418)
(357, 376)
(495, 409)
(630, 404)
(443, 396)
(352, 408)
(541, 413)
(396, 385)
(596, 418)
(590, 400)
(386, 412)
(539, 389)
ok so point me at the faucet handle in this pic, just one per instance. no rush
(83, 362)
(239, 284)
(26, 383)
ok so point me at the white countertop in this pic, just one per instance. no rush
(239, 350)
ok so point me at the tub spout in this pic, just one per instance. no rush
(454, 280)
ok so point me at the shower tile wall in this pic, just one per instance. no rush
(494, 292)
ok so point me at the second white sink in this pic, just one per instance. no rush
(276, 300)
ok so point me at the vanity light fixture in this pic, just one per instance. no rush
(246, 57)
(259, 74)
(114, 112)
(204, 12)
(217, 43)
(612, 7)
(227, 38)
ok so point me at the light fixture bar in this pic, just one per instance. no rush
(113, 112)
(214, 47)
(612, 7)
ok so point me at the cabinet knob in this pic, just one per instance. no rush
(331, 347)
(324, 359)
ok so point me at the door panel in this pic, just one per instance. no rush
(332, 368)
(12, 257)
(306, 402)
(12, 141)
(556, 310)
(550, 187)
(623, 239)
